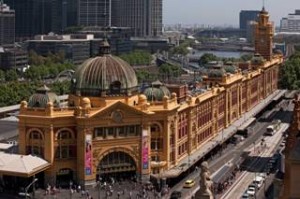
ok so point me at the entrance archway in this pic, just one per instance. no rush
(117, 165)
(64, 177)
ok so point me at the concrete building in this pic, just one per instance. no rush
(109, 128)
(76, 48)
(13, 57)
(7, 25)
(291, 23)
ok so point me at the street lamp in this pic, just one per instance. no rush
(26, 189)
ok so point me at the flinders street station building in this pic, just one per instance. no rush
(110, 126)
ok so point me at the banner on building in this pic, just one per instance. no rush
(145, 150)
(88, 155)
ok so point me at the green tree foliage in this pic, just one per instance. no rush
(145, 76)
(2, 76)
(181, 50)
(290, 73)
(14, 92)
(61, 88)
(168, 70)
(11, 75)
(137, 58)
(206, 58)
(246, 57)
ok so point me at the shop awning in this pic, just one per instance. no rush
(21, 165)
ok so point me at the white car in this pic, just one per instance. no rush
(258, 181)
(251, 190)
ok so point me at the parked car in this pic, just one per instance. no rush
(189, 184)
(175, 195)
(245, 195)
(251, 190)
(258, 181)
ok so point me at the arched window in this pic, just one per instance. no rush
(155, 128)
(35, 144)
(65, 145)
(115, 87)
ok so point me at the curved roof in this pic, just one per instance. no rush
(156, 92)
(41, 98)
(105, 73)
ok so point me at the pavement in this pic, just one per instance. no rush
(124, 190)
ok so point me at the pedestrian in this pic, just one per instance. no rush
(82, 192)
(78, 188)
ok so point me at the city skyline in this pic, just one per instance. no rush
(200, 12)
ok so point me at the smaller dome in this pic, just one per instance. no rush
(42, 97)
(157, 92)
(257, 59)
(216, 73)
(230, 69)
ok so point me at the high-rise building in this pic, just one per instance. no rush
(291, 23)
(143, 16)
(94, 12)
(7, 25)
(35, 17)
(264, 31)
(63, 15)
(32, 17)
(246, 16)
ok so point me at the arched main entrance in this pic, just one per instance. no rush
(118, 165)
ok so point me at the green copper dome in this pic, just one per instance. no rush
(41, 98)
(104, 75)
(156, 92)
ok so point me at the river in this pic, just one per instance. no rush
(223, 54)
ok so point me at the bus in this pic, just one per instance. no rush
(273, 128)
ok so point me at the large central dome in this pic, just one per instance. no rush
(104, 75)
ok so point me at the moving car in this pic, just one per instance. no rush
(189, 184)
(175, 195)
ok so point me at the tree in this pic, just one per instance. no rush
(206, 58)
(290, 73)
(11, 75)
(137, 58)
(246, 57)
(168, 70)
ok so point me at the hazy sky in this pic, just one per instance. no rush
(222, 12)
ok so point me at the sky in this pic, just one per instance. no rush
(222, 12)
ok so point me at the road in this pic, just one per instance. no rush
(283, 112)
(260, 161)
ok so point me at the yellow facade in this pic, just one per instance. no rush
(177, 129)
(91, 135)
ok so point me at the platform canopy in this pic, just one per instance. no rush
(21, 165)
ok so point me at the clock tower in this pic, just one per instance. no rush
(263, 35)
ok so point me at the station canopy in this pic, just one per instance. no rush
(21, 165)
